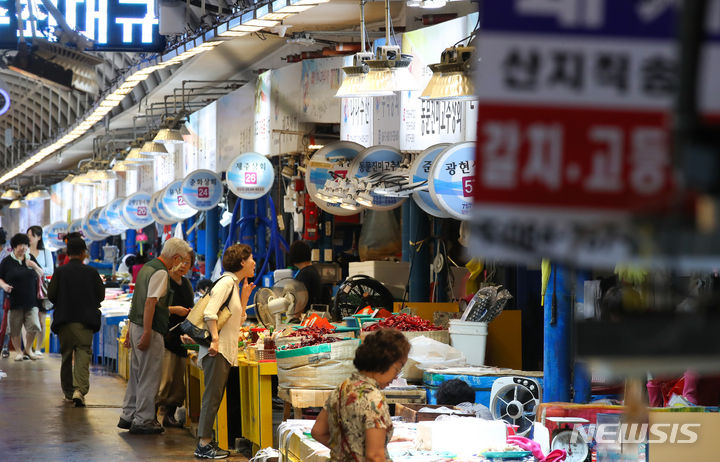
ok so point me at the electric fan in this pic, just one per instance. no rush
(515, 400)
(357, 292)
(286, 297)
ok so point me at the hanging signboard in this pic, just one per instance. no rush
(236, 129)
(451, 180)
(94, 225)
(378, 159)
(285, 108)
(321, 79)
(574, 118)
(75, 226)
(173, 201)
(105, 224)
(356, 124)
(262, 143)
(332, 161)
(113, 215)
(386, 121)
(53, 234)
(158, 216)
(88, 233)
(250, 175)
(419, 173)
(136, 210)
(202, 189)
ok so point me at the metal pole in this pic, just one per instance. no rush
(362, 25)
(558, 329)
(387, 22)
(212, 220)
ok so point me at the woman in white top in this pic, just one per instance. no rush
(217, 359)
(45, 259)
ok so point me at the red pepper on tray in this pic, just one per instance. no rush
(405, 323)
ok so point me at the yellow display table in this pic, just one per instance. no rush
(256, 400)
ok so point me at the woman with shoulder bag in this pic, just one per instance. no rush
(217, 359)
(45, 261)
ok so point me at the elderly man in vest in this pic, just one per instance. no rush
(149, 317)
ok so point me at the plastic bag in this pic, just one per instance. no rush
(380, 236)
(427, 353)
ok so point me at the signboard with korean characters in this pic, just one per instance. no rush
(285, 91)
(173, 202)
(202, 189)
(158, 216)
(113, 215)
(250, 175)
(54, 233)
(452, 177)
(75, 226)
(105, 224)
(330, 162)
(321, 79)
(94, 225)
(356, 124)
(236, 129)
(575, 103)
(136, 210)
(424, 123)
(420, 173)
(374, 160)
(262, 141)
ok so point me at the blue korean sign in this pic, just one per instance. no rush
(202, 189)
(377, 160)
(159, 217)
(173, 202)
(112, 215)
(94, 225)
(113, 25)
(329, 163)
(75, 226)
(250, 175)
(419, 171)
(136, 210)
(53, 234)
(89, 233)
(452, 178)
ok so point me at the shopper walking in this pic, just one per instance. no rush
(76, 291)
(171, 393)
(19, 275)
(149, 317)
(4, 299)
(216, 360)
(355, 422)
(45, 261)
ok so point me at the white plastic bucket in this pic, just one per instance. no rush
(470, 338)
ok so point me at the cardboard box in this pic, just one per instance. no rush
(411, 412)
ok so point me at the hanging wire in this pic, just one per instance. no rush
(476, 29)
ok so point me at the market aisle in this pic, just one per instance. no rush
(36, 424)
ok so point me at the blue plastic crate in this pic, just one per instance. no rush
(481, 384)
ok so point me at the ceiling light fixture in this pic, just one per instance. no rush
(11, 195)
(169, 136)
(249, 22)
(451, 79)
(38, 194)
(152, 148)
(135, 157)
(17, 204)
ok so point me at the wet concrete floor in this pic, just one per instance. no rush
(37, 425)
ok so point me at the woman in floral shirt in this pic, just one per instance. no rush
(355, 423)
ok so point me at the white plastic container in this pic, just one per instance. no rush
(470, 338)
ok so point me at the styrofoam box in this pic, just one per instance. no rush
(390, 273)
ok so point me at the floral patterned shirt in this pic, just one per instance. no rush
(356, 405)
